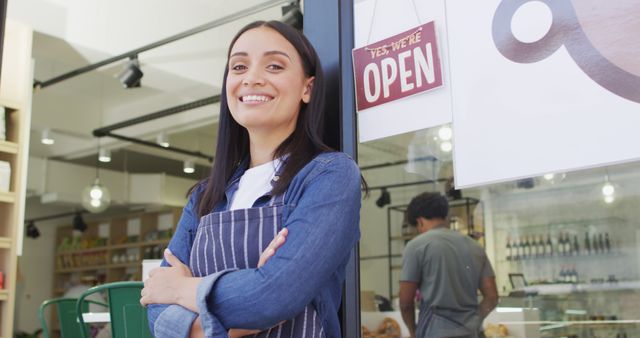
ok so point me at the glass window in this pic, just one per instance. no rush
(564, 246)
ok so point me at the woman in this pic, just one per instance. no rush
(272, 174)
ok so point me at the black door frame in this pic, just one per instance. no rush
(329, 26)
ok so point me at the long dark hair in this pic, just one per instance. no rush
(233, 139)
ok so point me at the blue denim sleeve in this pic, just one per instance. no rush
(323, 228)
(171, 319)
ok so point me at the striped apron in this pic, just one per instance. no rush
(234, 239)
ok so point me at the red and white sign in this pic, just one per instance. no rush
(402, 65)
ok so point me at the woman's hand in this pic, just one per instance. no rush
(271, 249)
(171, 285)
(275, 244)
(237, 333)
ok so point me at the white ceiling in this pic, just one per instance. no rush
(73, 33)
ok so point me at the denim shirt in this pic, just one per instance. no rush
(322, 213)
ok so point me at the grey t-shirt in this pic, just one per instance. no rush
(448, 267)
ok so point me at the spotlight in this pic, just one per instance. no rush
(189, 167)
(446, 146)
(608, 189)
(46, 137)
(78, 223)
(104, 155)
(132, 74)
(526, 183)
(292, 16)
(384, 199)
(445, 133)
(32, 231)
(162, 139)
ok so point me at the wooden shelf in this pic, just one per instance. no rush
(5, 243)
(125, 246)
(126, 265)
(8, 147)
(4, 295)
(11, 104)
(15, 99)
(83, 251)
(7, 197)
(156, 242)
(84, 268)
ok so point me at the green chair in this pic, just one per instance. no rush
(128, 317)
(67, 315)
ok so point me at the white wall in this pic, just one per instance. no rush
(35, 268)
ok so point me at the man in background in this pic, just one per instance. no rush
(448, 268)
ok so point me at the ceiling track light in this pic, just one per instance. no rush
(79, 223)
(104, 155)
(46, 137)
(189, 166)
(131, 75)
(384, 199)
(32, 230)
(292, 16)
(163, 139)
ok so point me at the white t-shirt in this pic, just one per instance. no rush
(254, 183)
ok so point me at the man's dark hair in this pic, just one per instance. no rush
(428, 205)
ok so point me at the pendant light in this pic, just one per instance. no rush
(608, 191)
(96, 197)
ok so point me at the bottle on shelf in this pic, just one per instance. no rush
(601, 243)
(576, 246)
(508, 251)
(548, 249)
(561, 247)
(557, 245)
(541, 248)
(567, 245)
(587, 244)
(521, 248)
(517, 250)
(534, 247)
(527, 248)
(563, 275)
(573, 275)
(594, 243)
(607, 243)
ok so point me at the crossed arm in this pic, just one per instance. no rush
(322, 229)
(175, 284)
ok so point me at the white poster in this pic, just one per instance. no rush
(542, 86)
(376, 20)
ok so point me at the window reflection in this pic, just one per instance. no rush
(564, 246)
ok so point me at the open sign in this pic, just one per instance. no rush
(397, 67)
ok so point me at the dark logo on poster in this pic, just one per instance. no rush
(602, 37)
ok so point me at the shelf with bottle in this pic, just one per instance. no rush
(81, 269)
(568, 224)
(539, 246)
(562, 288)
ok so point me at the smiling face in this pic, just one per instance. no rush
(266, 84)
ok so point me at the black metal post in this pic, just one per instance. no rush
(329, 26)
(389, 251)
